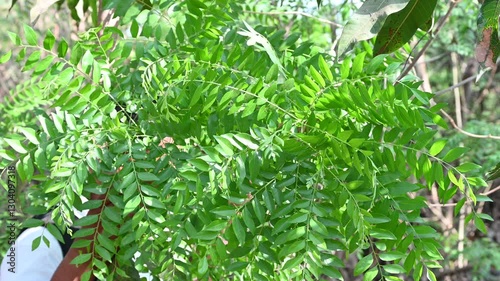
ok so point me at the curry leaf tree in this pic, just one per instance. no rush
(230, 152)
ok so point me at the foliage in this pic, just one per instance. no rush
(399, 26)
(230, 150)
(483, 255)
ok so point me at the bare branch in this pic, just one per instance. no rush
(465, 81)
(491, 191)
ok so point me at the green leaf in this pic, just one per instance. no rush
(49, 41)
(363, 264)
(431, 276)
(459, 206)
(203, 266)
(113, 214)
(246, 140)
(293, 263)
(30, 134)
(30, 35)
(200, 164)
(400, 27)
(391, 256)
(55, 231)
(155, 216)
(32, 223)
(105, 254)
(325, 68)
(83, 232)
(357, 64)
(36, 243)
(16, 145)
(455, 153)
(86, 221)
(28, 167)
(239, 230)
(6, 57)
(409, 261)
(62, 50)
(131, 205)
(80, 259)
(467, 167)
(15, 38)
(382, 234)
(367, 21)
(216, 225)
(394, 268)
(294, 248)
(225, 146)
(370, 274)
(87, 61)
(437, 147)
(147, 176)
(478, 222)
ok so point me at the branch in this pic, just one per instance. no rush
(465, 132)
(465, 81)
(442, 20)
(490, 191)
(276, 13)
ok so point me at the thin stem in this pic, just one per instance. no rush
(465, 81)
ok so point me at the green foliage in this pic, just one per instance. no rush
(227, 159)
(483, 256)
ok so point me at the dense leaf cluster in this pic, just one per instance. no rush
(231, 151)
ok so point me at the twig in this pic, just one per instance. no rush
(276, 13)
(442, 20)
(465, 132)
(465, 81)
(490, 191)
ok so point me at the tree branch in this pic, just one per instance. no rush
(463, 82)
(465, 132)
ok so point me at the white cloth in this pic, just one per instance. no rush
(27, 265)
